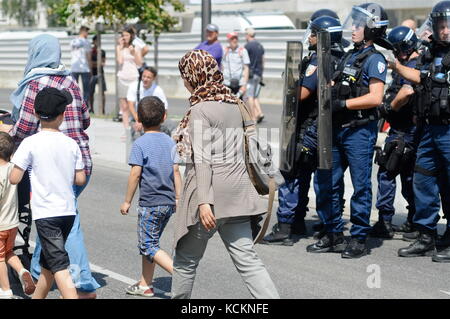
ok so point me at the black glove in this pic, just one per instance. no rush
(384, 109)
(338, 105)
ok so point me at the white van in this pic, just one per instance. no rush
(239, 21)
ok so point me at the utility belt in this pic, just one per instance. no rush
(396, 156)
(354, 119)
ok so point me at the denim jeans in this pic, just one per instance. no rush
(433, 155)
(86, 79)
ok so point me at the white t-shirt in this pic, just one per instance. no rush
(155, 90)
(79, 62)
(138, 43)
(9, 217)
(53, 158)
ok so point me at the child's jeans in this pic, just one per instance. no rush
(151, 224)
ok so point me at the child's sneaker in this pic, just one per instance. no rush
(27, 282)
(139, 290)
(6, 294)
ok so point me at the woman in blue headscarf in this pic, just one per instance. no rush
(44, 69)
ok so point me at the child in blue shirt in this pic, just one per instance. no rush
(154, 168)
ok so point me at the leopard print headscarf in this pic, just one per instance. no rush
(201, 71)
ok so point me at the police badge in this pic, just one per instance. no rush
(381, 67)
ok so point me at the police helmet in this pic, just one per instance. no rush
(370, 16)
(323, 12)
(403, 40)
(330, 24)
(440, 19)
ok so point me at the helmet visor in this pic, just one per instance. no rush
(308, 33)
(359, 19)
(425, 30)
(441, 27)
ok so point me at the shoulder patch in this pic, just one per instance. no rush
(381, 67)
(310, 70)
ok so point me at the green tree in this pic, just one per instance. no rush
(58, 12)
(152, 13)
(21, 10)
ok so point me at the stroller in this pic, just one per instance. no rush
(25, 219)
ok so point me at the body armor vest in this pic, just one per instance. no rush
(349, 84)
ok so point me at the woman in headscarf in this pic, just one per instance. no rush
(44, 69)
(218, 194)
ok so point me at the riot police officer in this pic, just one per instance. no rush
(398, 156)
(432, 168)
(293, 195)
(358, 90)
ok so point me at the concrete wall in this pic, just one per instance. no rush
(13, 58)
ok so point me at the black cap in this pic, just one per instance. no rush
(51, 102)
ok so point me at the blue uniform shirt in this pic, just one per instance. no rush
(310, 78)
(374, 67)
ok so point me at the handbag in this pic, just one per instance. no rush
(263, 173)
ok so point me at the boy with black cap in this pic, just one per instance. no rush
(56, 164)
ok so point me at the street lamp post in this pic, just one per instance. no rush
(100, 100)
(206, 17)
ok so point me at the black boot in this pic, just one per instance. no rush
(443, 256)
(318, 226)
(406, 227)
(444, 240)
(280, 235)
(299, 227)
(423, 246)
(330, 242)
(411, 237)
(382, 229)
(356, 248)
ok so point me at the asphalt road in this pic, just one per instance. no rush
(111, 242)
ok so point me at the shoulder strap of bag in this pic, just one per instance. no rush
(249, 124)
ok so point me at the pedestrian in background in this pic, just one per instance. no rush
(212, 44)
(129, 60)
(81, 61)
(218, 194)
(43, 70)
(56, 164)
(94, 71)
(139, 90)
(154, 167)
(9, 224)
(235, 66)
(256, 53)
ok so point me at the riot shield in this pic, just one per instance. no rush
(288, 131)
(325, 125)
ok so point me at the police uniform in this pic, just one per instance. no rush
(354, 138)
(293, 194)
(402, 129)
(432, 169)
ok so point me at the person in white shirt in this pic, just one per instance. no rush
(56, 165)
(147, 87)
(81, 61)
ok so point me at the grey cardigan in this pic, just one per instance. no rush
(218, 175)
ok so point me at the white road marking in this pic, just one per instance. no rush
(104, 271)
(445, 292)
